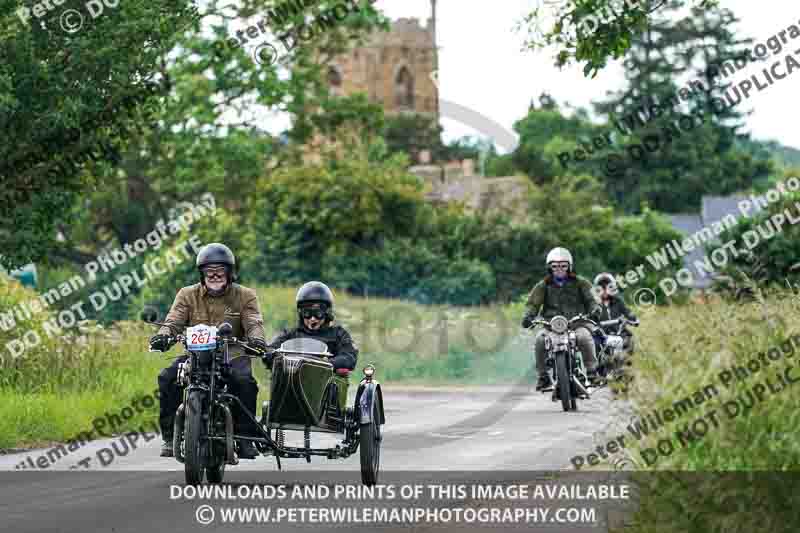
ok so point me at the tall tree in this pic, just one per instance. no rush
(546, 132)
(68, 96)
(204, 133)
(678, 143)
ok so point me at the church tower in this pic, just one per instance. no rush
(393, 68)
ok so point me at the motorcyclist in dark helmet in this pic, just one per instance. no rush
(315, 319)
(562, 292)
(216, 299)
(612, 307)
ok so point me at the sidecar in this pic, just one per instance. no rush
(308, 395)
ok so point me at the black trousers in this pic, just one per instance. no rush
(241, 384)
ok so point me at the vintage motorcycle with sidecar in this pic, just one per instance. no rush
(306, 395)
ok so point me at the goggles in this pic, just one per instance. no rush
(560, 266)
(315, 313)
(215, 272)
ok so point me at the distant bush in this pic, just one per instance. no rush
(775, 256)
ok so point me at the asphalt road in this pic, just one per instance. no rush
(485, 434)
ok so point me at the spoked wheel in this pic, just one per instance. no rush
(193, 456)
(564, 382)
(370, 444)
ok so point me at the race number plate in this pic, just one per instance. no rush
(201, 337)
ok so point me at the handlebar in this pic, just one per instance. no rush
(173, 340)
(577, 318)
(622, 321)
(256, 352)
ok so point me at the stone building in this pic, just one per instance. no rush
(393, 68)
(458, 182)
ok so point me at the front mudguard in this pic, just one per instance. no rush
(369, 392)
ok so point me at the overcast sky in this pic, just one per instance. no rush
(481, 64)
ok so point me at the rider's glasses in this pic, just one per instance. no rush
(560, 266)
(214, 273)
(316, 313)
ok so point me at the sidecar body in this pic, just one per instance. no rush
(305, 390)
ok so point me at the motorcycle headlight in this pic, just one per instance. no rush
(559, 324)
(615, 341)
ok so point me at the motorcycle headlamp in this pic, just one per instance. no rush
(559, 324)
(615, 341)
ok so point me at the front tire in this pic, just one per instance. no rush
(564, 385)
(215, 474)
(194, 432)
(370, 444)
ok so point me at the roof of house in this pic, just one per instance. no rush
(686, 223)
(689, 225)
(713, 209)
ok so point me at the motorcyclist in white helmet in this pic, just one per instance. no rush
(562, 292)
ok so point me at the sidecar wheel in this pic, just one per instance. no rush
(370, 444)
(194, 430)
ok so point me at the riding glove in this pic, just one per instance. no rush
(161, 343)
(258, 344)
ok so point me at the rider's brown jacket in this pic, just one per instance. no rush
(238, 306)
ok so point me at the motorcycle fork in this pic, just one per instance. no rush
(576, 372)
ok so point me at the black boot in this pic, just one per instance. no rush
(544, 383)
(247, 450)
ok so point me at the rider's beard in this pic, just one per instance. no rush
(216, 287)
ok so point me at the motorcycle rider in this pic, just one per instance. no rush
(562, 292)
(613, 307)
(216, 299)
(315, 319)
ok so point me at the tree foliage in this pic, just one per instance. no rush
(149, 96)
(592, 31)
(691, 156)
(546, 132)
(67, 97)
(769, 245)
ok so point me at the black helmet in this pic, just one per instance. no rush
(315, 292)
(216, 254)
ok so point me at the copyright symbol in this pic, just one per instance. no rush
(614, 165)
(68, 16)
(265, 54)
(204, 515)
(644, 297)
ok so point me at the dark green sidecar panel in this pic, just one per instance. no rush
(299, 390)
